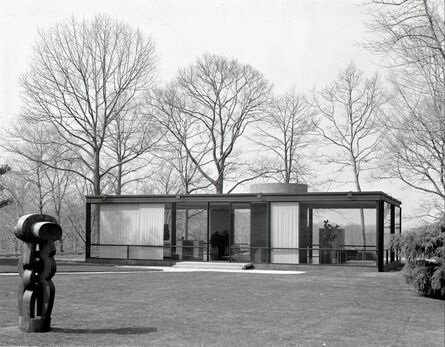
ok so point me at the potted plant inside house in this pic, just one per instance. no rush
(331, 240)
(220, 241)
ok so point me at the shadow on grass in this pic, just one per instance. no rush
(117, 331)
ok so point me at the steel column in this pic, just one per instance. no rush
(380, 234)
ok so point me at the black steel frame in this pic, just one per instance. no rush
(331, 199)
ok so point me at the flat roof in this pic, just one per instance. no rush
(310, 197)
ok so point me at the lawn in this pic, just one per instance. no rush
(326, 306)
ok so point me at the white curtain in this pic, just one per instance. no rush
(132, 224)
(284, 232)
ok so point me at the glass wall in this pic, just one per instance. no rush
(387, 232)
(190, 239)
(257, 232)
(397, 220)
(241, 231)
(341, 236)
(395, 255)
(129, 231)
(219, 231)
(168, 230)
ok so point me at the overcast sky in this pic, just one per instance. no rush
(301, 43)
(295, 43)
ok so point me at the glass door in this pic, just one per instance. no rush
(219, 231)
(240, 237)
(190, 239)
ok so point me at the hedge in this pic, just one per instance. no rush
(424, 254)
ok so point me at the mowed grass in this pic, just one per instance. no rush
(327, 306)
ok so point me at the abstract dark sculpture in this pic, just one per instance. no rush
(36, 268)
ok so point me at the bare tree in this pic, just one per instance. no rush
(29, 156)
(349, 112)
(221, 97)
(163, 179)
(34, 173)
(58, 182)
(411, 36)
(174, 153)
(188, 177)
(284, 131)
(408, 26)
(73, 216)
(21, 195)
(131, 135)
(82, 76)
(415, 147)
(38, 163)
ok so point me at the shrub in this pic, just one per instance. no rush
(424, 252)
(438, 280)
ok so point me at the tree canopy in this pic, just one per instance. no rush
(84, 78)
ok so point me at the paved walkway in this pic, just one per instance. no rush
(8, 267)
(76, 264)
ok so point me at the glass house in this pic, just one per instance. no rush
(341, 228)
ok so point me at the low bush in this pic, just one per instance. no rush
(424, 254)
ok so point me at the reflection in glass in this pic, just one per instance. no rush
(191, 231)
(336, 236)
(386, 232)
(240, 242)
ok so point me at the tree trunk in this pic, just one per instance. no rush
(40, 205)
(362, 213)
(39, 189)
(96, 186)
(219, 185)
(287, 166)
(119, 180)
(95, 218)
